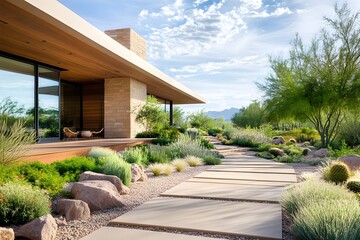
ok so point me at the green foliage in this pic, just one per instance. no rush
(194, 161)
(169, 132)
(265, 155)
(263, 147)
(151, 115)
(304, 193)
(161, 141)
(339, 172)
(20, 203)
(328, 219)
(318, 82)
(249, 137)
(99, 152)
(14, 142)
(205, 143)
(344, 150)
(353, 185)
(350, 130)
(211, 160)
(116, 165)
(250, 116)
(148, 134)
(186, 146)
(158, 154)
(214, 131)
(179, 164)
(136, 155)
(70, 169)
(276, 152)
(200, 120)
(293, 150)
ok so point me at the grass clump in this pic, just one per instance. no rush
(194, 161)
(99, 152)
(20, 203)
(211, 160)
(328, 219)
(136, 155)
(158, 154)
(156, 169)
(168, 169)
(116, 165)
(185, 145)
(179, 164)
(307, 192)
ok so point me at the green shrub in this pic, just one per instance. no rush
(53, 132)
(350, 131)
(264, 147)
(71, 168)
(353, 185)
(286, 159)
(206, 143)
(148, 134)
(136, 155)
(214, 131)
(339, 172)
(158, 154)
(304, 193)
(211, 160)
(161, 141)
(194, 161)
(99, 152)
(171, 133)
(328, 219)
(265, 155)
(186, 146)
(21, 203)
(156, 168)
(8, 173)
(179, 164)
(15, 142)
(293, 150)
(116, 165)
(249, 138)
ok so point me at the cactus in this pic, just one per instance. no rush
(306, 151)
(292, 141)
(354, 185)
(276, 152)
(339, 172)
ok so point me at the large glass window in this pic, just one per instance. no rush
(17, 91)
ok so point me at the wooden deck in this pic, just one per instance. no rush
(50, 152)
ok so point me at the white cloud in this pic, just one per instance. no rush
(252, 4)
(198, 2)
(278, 12)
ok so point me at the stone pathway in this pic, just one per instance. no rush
(238, 198)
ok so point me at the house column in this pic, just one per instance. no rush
(123, 97)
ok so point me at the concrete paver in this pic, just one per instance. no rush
(226, 192)
(270, 177)
(282, 170)
(239, 182)
(212, 216)
(114, 233)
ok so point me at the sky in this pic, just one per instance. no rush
(218, 48)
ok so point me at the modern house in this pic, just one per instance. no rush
(51, 58)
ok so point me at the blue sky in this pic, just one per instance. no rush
(220, 48)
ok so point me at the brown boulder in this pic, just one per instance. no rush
(73, 209)
(98, 194)
(43, 228)
(278, 140)
(138, 173)
(88, 175)
(322, 152)
(7, 234)
(352, 160)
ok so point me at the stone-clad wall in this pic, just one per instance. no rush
(121, 97)
(129, 39)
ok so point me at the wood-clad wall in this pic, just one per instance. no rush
(93, 106)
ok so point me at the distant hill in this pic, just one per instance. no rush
(227, 114)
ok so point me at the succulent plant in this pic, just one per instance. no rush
(276, 152)
(339, 172)
(354, 185)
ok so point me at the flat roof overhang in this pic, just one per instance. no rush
(48, 32)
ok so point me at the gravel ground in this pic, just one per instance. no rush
(144, 191)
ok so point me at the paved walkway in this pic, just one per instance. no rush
(238, 198)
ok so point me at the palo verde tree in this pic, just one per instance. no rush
(321, 81)
(151, 114)
(253, 116)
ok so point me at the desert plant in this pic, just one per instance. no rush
(168, 169)
(184, 146)
(135, 155)
(161, 141)
(148, 134)
(292, 140)
(211, 160)
(15, 141)
(116, 165)
(99, 152)
(179, 164)
(249, 138)
(206, 143)
(158, 154)
(328, 219)
(21, 203)
(276, 152)
(194, 161)
(304, 193)
(156, 168)
(353, 184)
(339, 172)
(265, 155)
(306, 151)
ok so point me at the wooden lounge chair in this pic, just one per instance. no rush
(68, 134)
(97, 134)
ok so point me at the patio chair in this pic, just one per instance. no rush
(96, 134)
(68, 134)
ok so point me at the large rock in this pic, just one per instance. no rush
(73, 209)
(88, 175)
(278, 140)
(137, 173)
(352, 160)
(7, 234)
(43, 228)
(322, 152)
(98, 194)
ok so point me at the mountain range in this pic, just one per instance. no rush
(227, 114)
